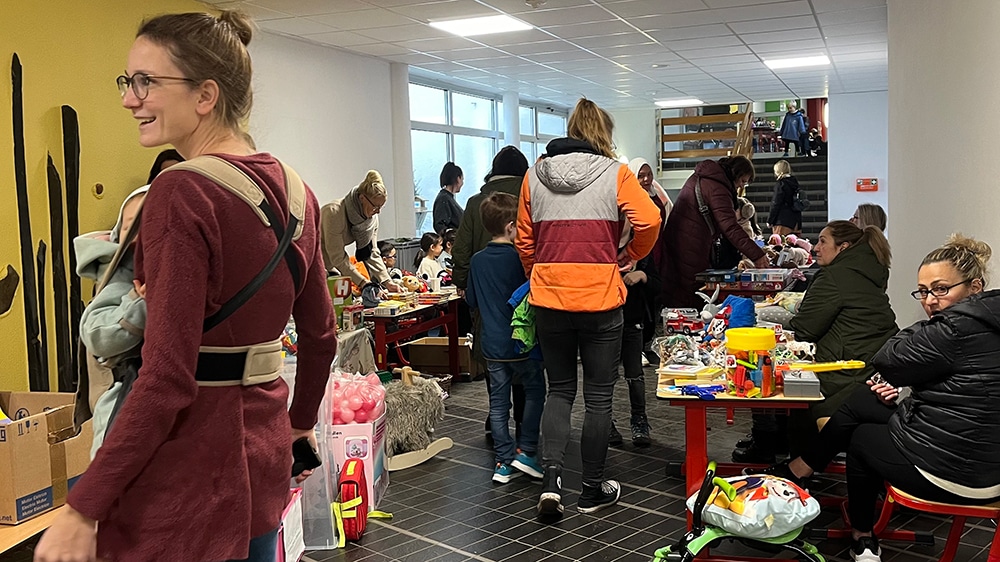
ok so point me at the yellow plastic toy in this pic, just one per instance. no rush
(829, 366)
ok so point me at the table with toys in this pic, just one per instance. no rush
(413, 314)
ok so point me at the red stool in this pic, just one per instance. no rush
(958, 513)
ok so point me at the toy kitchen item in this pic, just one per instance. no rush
(749, 366)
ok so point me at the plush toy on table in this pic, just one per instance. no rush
(413, 284)
(445, 278)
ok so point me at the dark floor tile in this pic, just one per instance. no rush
(634, 557)
(606, 554)
(615, 534)
(519, 532)
(487, 544)
(582, 549)
(561, 542)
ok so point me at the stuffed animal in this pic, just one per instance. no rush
(413, 284)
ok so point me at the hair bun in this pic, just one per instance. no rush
(239, 23)
(980, 249)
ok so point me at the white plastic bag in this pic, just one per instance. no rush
(764, 507)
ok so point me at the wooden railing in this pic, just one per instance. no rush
(740, 133)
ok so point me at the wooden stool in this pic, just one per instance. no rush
(958, 513)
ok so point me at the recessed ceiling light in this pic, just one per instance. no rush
(820, 60)
(680, 103)
(480, 26)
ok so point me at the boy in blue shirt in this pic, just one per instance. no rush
(494, 274)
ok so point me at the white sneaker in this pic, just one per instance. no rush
(866, 549)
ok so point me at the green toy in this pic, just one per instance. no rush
(702, 536)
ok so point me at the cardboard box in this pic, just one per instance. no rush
(40, 457)
(365, 441)
(352, 317)
(340, 292)
(430, 355)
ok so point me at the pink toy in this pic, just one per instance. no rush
(791, 239)
(357, 398)
(774, 240)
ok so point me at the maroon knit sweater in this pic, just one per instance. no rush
(188, 472)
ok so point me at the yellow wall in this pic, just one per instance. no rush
(71, 52)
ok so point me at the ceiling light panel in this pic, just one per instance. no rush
(480, 25)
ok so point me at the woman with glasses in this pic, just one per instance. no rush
(354, 220)
(942, 442)
(705, 211)
(198, 461)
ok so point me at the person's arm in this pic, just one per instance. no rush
(776, 205)
(470, 291)
(819, 309)
(923, 353)
(175, 231)
(719, 201)
(316, 327)
(640, 211)
(114, 321)
(461, 252)
(376, 267)
(441, 213)
(334, 229)
(525, 240)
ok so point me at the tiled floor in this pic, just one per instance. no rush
(448, 509)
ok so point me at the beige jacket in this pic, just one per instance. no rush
(336, 234)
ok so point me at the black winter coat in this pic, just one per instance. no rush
(949, 426)
(782, 210)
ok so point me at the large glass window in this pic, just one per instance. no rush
(453, 126)
(538, 126)
(551, 124)
(526, 115)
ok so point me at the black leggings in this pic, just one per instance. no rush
(861, 427)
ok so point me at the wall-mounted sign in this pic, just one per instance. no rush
(867, 184)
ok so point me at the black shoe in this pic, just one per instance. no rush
(866, 549)
(746, 442)
(614, 436)
(550, 502)
(781, 470)
(596, 498)
(753, 455)
(640, 431)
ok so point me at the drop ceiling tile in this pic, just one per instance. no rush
(311, 7)
(441, 46)
(362, 19)
(715, 52)
(618, 43)
(449, 10)
(783, 49)
(381, 3)
(724, 4)
(555, 58)
(856, 29)
(853, 16)
(378, 49)
(705, 43)
(456, 54)
(874, 56)
(766, 11)
(257, 13)
(695, 32)
(565, 16)
(857, 39)
(729, 63)
(787, 35)
(588, 29)
(668, 21)
(403, 33)
(518, 6)
(443, 67)
(773, 24)
(633, 8)
(841, 5)
(515, 38)
(295, 26)
(413, 58)
(646, 61)
(722, 67)
(347, 39)
(880, 47)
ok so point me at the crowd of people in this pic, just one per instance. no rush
(592, 249)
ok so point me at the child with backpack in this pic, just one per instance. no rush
(494, 274)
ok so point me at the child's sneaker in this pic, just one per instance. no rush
(596, 498)
(640, 431)
(866, 549)
(527, 464)
(550, 502)
(504, 473)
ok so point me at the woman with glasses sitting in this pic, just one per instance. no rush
(942, 442)
(354, 220)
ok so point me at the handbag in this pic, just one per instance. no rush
(126, 368)
(723, 254)
(800, 203)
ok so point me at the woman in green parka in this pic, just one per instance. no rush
(846, 311)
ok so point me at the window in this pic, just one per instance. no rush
(527, 118)
(551, 124)
(538, 126)
(449, 126)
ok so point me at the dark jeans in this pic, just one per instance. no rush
(262, 548)
(597, 337)
(501, 375)
(798, 146)
(863, 407)
(631, 361)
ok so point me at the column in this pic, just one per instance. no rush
(401, 192)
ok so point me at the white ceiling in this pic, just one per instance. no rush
(619, 53)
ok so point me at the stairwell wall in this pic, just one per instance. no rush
(859, 148)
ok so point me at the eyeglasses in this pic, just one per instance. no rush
(375, 208)
(140, 82)
(938, 292)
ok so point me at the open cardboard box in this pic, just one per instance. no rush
(40, 456)
(430, 355)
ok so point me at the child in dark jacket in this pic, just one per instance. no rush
(494, 274)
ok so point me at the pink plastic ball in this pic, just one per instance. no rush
(378, 410)
(345, 406)
(347, 416)
(361, 416)
(355, 402)
(337, 421)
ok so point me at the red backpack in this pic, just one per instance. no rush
(353, 499)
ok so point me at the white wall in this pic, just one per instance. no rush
(943, 97)
(635, 134)
(859, 148)
(328, 114)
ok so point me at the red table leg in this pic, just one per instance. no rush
(453, 339)
(381, 349)
(696, 445)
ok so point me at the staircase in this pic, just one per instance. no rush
(811, 173)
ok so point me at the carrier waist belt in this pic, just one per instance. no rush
(245, 365)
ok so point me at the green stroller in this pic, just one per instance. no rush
(703, 536)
